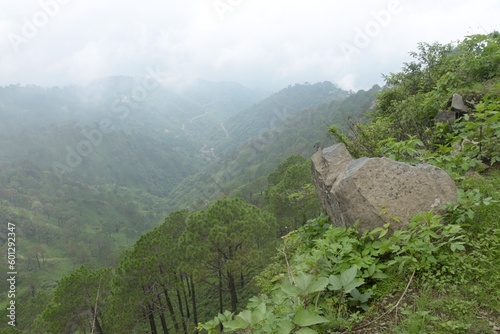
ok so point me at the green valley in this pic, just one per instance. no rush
(195, 211)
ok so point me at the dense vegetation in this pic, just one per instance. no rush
(90, 214)
(179, 273)
(441, 274)
(255, 226)
(122, 163)
(292, 133)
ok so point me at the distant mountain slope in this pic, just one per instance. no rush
(115, 130)
(271, 112)
(259, 156)
(85, 170)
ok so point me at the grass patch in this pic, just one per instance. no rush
(440, 302)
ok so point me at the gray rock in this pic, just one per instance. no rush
(445, 116)
(377, 190)
(457, 103)
(327, 164)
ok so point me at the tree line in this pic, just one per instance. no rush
(195, 264)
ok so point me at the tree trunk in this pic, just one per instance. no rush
(193, 300)
(95, 321)
(171, 310)
(163, 323)
(98, 326)
(232, 292)
(186, 300)
(162, 315)
(221, 306)
(179, 301)
(151, 317)
(38, 260)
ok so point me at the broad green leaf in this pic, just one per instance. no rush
(245, 315)
(305, 318)
(361, 297)
(356, 295)
(379, 275)
(306, 330)
(457, 246)
(236, 324)
(258, 314)
(335, 283)
(210, 324)
(371, 269)
(353, 284)
(303, 280)
(227, 314)
(383, 232)
(317, 285)
(285, 327)
(348, 276)
(290, 290)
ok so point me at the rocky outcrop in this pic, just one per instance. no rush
(328, 164)
(445, 116)
(457, 104)
(375, 191)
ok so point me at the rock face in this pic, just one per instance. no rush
(327, 165)
(377, 190)
(445, 116)
(459, 107)
(457, 103)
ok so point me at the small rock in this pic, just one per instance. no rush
(445, 116)
(457, 103)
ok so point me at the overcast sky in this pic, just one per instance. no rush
(259, 43)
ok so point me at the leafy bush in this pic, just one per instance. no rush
(333, 278)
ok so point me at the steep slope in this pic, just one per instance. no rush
(259, 156)
(272, 112)
(92, 132)
(84, 170)
(441, 273)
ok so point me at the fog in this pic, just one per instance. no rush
(261, 44)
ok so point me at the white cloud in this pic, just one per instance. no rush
(259, 42)
(347, 82)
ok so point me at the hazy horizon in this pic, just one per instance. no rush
(258, 44)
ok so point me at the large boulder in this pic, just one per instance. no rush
(375, 191)
(327, 165)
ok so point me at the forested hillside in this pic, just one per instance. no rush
(84, 180)
(233, 238)
(84, 171)
(92, 132)
(271, 113)
(287, 132)
(441, 273)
